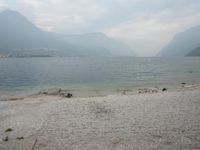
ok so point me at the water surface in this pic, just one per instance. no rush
(93, 75)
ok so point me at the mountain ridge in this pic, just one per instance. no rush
(194, 52)
(19, 34)
(182, 43)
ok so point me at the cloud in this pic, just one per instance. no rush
(3, 5)
(147, 32)
(67, 16)
(67, 23)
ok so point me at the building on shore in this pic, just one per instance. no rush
(4, 55)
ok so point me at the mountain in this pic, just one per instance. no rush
(182, 43)
(195, 52)
(98, 42)
(20, 37)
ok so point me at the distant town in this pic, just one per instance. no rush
(23, 55)
(4, 56)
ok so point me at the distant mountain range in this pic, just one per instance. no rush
(182, 44)
(195, 52)
(19, 37)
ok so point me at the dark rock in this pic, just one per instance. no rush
(69, 95)
(183, 83)
(20, 138)
(5, 139)
(194, 52)
(164, 89)
(8, 130)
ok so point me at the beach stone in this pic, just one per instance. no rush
(68, 95)
(164, 89)
(5, 139)
(164, 121)
(20, 138)
(8, 130)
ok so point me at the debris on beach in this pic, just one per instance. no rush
(183, 83)
(192, 86)
(20, 138)
(5, 139)
(50, 92)
(56, 92)
(69, 95)
(8, 130)
(148, 90)
(124, 92)
(151, 90)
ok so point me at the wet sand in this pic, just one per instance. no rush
(153, 121)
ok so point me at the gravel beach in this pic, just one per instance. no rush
(149, 121)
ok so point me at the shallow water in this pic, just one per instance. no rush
(95, 75)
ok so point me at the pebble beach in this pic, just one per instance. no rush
(168, 120)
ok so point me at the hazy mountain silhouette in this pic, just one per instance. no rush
(98, 42)
(182, 43)
(195, 52)
(19, 35)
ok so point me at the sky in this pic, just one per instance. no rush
(145, 25)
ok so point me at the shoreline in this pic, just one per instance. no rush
(128, 92)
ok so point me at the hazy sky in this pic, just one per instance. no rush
(146, 25)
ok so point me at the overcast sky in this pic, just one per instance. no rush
(145, 25)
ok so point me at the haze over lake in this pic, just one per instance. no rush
(95, 75)
(99, 74)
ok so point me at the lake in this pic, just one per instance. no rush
(95, 75)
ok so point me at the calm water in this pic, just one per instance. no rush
(95, 75)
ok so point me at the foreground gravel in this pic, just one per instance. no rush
(160, 121)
